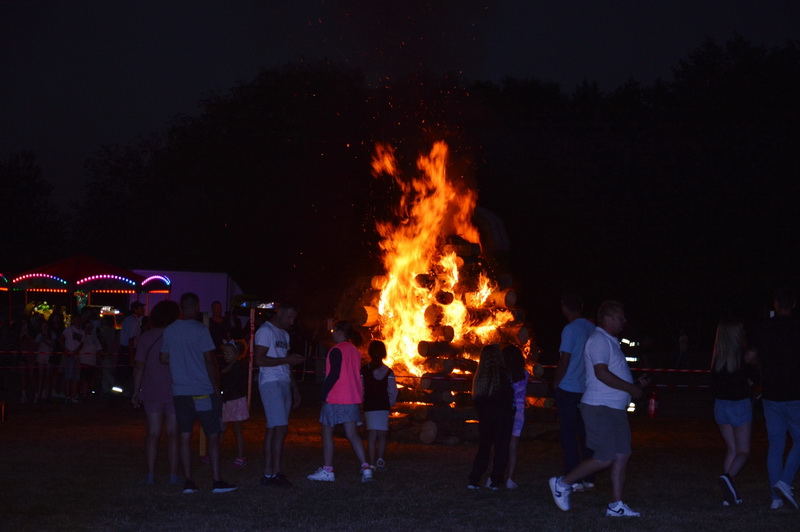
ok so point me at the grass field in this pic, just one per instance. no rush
(81, 467)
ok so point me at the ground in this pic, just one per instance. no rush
(81, 467)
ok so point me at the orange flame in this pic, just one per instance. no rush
(422, 291)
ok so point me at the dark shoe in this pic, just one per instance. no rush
(220, 486)
(189, 486)
(281, 481)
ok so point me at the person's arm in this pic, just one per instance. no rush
(561, 368)
(391, 385)
(210, 358)
(335, 360)
(261, 359)
(605, 376)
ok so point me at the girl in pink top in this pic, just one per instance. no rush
(342, 395)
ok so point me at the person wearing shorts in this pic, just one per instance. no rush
(380, 394)
(342, 395)
(609, 389)
(192, 357)
(279, 392)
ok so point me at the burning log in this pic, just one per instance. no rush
(436, 382)
(502, 299)
(465, 364)
(515, 334)
(435, 349)
(433, 314)
(440, 365)
(428, 431)
(444, 298)
(425, 280)
(443, 333)
(418, 410)
(541, 402)
(378, 282)
(366, 316)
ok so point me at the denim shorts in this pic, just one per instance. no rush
(734, 413)
(336, 414)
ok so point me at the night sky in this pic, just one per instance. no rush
(77, 75)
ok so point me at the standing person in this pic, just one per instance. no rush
(609, 389)
(88, 359)
(569, 384)
(279, 391)
(152, 387)
(776, 346)
(45, 344)
(380, 394)
(72, 340)
(342, 395)
(128, 336)
(515, 363)
(188, 349)
(493, 397)
(733, 408)
(233, 381)
(218, 326)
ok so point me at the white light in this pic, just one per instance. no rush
(626, 341)
(116, 389)
(631, 359)
(632, 407)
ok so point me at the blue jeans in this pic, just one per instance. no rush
(782, 417)
(573, 432)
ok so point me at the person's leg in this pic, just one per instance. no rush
(171, 428)
(382, 441)
(278, 439)
(185, 452)
(486, 429)
(502, 437)
(617, 476)
(726, 431)
(269, 436)
(327, 446)
(237, 432)
(213, 454)
(154, 420)
(793, 457)
(513, 450)
(585, 469)
(372, 439)
(568, 420)
(741, 435)
(776, 435)
(352, 434)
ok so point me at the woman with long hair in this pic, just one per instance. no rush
(731, 382)
(152, 387)
(493, 397)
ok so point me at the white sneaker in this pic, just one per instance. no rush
(578, 486)
(560, 495)
(786, 490)
(366, 474)
(587, 486)
(620, 509)
(322, 475)
(776, 503)
(510, 484)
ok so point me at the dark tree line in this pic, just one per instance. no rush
(678, 198)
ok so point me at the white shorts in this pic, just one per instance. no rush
(276, 396)
(377, 419)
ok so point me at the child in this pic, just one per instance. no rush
(493, 397)
(233, 383)
(515, 363)
(380, 394)
(342, 395)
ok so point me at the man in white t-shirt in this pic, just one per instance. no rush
(609, 389)
(279, 392)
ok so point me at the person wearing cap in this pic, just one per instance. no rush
(131, 329)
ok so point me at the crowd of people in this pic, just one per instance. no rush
(182, 371)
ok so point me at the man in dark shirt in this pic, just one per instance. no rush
(776, 345)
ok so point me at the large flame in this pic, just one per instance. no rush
(422, 295)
